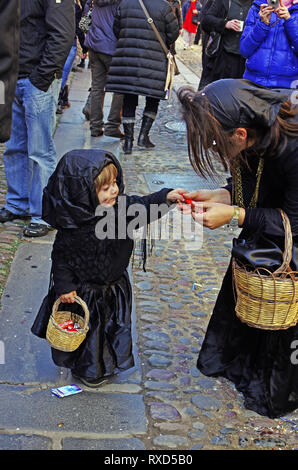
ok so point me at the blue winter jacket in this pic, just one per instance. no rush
(101, 37)
(271, 50)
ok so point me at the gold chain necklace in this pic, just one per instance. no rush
(238, 190)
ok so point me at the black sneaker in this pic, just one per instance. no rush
(92, 383)
(7, 216)
(35, 230)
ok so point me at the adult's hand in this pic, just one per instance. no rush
(282, 11)
(235, 25)
(214, 215)
(265, 13)
(219, 195)
(68, 298)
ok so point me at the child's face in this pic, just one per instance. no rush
(108, 193)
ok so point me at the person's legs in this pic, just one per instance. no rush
(198, 35)
(185, 38)
(63, 95)
(68, 64)
(149, 116)
(99, 69)
(114, 118)
(191, 39)
(16, 162)
(130, 103)
(40, 116)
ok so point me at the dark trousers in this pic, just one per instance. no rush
(130, 103)
(198, 35)
(100, 64)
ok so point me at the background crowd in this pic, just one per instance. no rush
(240, 38)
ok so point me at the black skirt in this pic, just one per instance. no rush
(262, 364)
(107, 348)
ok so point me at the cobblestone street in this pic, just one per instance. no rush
(174, 298)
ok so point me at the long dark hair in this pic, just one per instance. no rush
(209, 143)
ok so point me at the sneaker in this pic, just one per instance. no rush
(7, 216)
(35, 230)
(92, 383)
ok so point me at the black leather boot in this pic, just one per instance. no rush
(87, 108)
(128, 137)
(143, 140)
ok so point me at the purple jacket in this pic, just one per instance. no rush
(100, 37)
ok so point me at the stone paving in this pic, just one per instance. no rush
(174, 300)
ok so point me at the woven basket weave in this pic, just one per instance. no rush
(62, 339)
(264, 299)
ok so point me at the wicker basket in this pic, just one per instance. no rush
(62, 339)
(264, 299)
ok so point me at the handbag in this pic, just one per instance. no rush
(85, 21)
(214, 40)
(213, 44)
(195, 19)
(172, 69)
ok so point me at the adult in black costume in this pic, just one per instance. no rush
(95, 268)
(243, 123)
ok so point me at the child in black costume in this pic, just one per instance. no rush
(92, 268)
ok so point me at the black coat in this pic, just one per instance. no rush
(95, 268)
(47, 33)
(139, 65)
(224, 65)
(258, 361)
(9, 40)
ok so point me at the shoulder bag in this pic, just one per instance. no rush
(172, 66)
(214, 40)
(85, 21)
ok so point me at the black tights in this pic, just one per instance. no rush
(130, 103)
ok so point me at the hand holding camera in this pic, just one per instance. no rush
(276, 6)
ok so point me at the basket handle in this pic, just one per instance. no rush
(287, 255)
(78, 301)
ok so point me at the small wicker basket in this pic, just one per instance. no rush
(62, 339)
(264, 299)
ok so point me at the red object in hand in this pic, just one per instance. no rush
(188, 201)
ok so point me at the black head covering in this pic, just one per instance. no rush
(241, 103)
(70, 199)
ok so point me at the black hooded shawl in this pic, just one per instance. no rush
(95, 268)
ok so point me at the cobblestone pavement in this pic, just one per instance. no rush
(185, 410)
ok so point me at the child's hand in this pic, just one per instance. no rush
(68, 298)
(176, 195)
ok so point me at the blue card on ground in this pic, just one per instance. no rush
(66, 390)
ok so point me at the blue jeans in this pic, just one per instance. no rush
(30, 156)
(68, 64)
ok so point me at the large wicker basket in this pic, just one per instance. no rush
(264, 299)
(62, 339)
